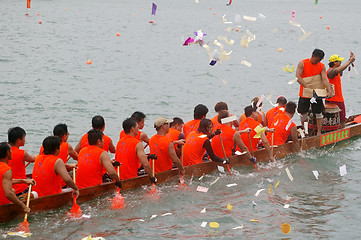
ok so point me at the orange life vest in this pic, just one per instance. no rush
(3, 169)
(227, 139)
(159, 145)
(261, 116)
(126, 154)
(63, 154)
(193, 148)
(310, 70)
(282, 124)
(249, 123)
(17, 164)
(215, 122)
(122, 134)
(336, 81)
(90, 170)
(272, 113)
(84, 142)
(190, 126)
(47, 181)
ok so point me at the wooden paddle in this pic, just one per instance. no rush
(24, 226)
(181, 180)
(75, 211)
(118, 200)
(272, 144)
(250, 143)
(224, 153)
(153, 193)
(27, 164)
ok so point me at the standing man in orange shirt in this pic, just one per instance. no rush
(313, 69)
(163, 147)
(334, 74)
(130, 152)
(200, 112)
(16, 138)
(175, 134)
(98, 123)
(281, 101)
(92, 160)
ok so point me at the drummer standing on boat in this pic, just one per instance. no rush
(334, 74)
(310, 72)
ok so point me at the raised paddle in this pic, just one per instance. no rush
(24, 226)
(75, 211)
(224, 153)
(118, 200)
(250, 143)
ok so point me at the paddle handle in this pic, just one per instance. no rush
(224, 153)
(74, 174)
(153, 167)
(27, 203)
(118, 171)
(250, 143)
(272, 144)
(27, 164)
(182, 155)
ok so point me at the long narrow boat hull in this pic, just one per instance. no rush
(11, 211)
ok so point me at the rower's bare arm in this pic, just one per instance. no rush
(144, 137)
(28, 157)
(294, 137)
(267, 145)
(26, 181)
(72, 153)
(59, 168)
(9, 193)
(143, 159)
(111, 147)
(107, 164)
(299, 72)
(179, 142)
(238, 140)
(173, 156)
(333, 72)
(77, 147)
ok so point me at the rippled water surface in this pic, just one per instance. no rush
(44, 80)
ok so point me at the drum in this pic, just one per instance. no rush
(331, 118)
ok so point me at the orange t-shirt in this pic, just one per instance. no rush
(190, 126)
(249, 123)
(3, 169)
(84, 142)
(159, 145)
(127, 156)
(17, 164)
(193, 148)
(336, 81)
(282, 124)
(215, 122)
(272, 113)
(122, 134)
(260, 117)
(63, 154)
(310, 70)
(173, 134)
(47, 181)
(90, 170)
(227, 139)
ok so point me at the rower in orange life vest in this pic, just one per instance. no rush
(334, 74)
(312, 68)
(16, 138)
(49, 169)
(7, 194)
(175, 134)
(220, 106)
(200, 112)
(130, 152)
(139, 117)
(231, 138)
(198, 142)
(91, 161)
(285, 128)
(250, 122)
(163, 147)
(98, 123)
(281, 102)
(261, 117)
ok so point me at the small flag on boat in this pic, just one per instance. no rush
(154, 9)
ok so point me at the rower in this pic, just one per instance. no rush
(49, 169)
(220, 106)
(98, 123)
(230, 138)
(92, 159)
(281, 102)
(200, 112)
(16, 138)
(130, 152)
(261, 117)
(248, 139)
(198, 142)
(7, 194)
(139, 117)
(175, 134)
(285, 128)
(163, 147)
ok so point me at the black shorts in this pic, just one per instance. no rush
(304, 105)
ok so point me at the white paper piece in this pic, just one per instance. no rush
(228, 22)
(201, 177)
(286, 206)
(249, 18)
(289, 174)
(304, 36)
(305, 125)
(141, 220)
(239, 227)
(166, 214)
(244, 62)
(229, 29)
(294, 24)
(316, 174)
(293, 81)
(260, 15)
(153, 216)
(203, 136)
(240, 153)
(215, 181)
(204, 224)
(221, 169)
(254, 203)
(300, 130)
(18, 234)
(85, 216)
(231, 185)
(343, 170)
(202, 189)
(259, 191)
(228, 119)
(204, 210)
(288, 198)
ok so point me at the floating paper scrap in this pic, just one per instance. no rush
(199, 35)
(203, 210)
(288, 198)
(286, 206)
(259, 191)
(343, 170)
(304, 36)
(154, 9)
(305, 125)
(188, 41)
(141, 220)
(202, 189)
(294, 24)
(316, 174)
(224, 38)
(300, 130)
(221, 169)
(93, 238)
(201, 177)
(288, 68)
(239, 227)
(289, 174)
(260, 15)
(166, 214)
(269, 180)
(269, 190)
(259, 130)
(224, 82)
(204, 224)
(214, 225)
(240, 153)
(228, 29)
(203, 136)
(19, 234)
(85, 216)
(196, 1)
(254, 203)
(293, 81)
(224, 18)
(228, 119)
(277, 184)
(231, 185)
(254, 220)
(249, 18)
(153, 216)
(230, 207)
(244, 62)
(215, 181)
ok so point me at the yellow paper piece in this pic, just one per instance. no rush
(254, 220)
(224, 19)
(277, 184)
(286, 228)
(244, 42)
(217, 43)
(229, 29)
(208, 51)
(214, 225)
(249, 18)
(288, 68)
(230, 207)
(19, 234)
(259, 130)
(244, 62)
(269, 190)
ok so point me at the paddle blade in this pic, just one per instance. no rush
(357, 119)
(75, 211)
(153, 192)
(229, 170)
(118, 201)
(182, 184)
(24, 226)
